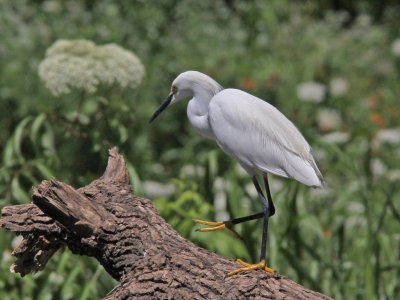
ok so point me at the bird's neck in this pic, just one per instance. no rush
(198, 108)
(200, 104)
(202, 95)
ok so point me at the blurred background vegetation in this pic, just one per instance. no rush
(333, 67)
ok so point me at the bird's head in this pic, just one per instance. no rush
(185, 86)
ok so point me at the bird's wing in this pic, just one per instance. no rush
(261, 137)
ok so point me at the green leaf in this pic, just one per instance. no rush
(91, 285)
(36, 125)
(123, 133)
(44, 170)
(67, 290)
(18, 136)
(135, 179)
(8, 154)
(18, 193)
(47, 142)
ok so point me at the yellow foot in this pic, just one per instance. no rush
(215, 226)
(248, 267)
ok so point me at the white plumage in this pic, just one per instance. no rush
(260, 137)
(252, 131)
(249, 129)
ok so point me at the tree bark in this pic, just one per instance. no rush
(132, 242)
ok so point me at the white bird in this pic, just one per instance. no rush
(252, 131)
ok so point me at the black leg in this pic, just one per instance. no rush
(229, 224)
(265, 204)
(260, 214)
(268, 211)
(270, 203)
(246, 218)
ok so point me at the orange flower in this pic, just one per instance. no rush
(327, 233)
(378, 120)
(249, 84)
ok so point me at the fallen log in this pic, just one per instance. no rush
(127, 236)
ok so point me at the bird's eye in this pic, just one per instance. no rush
(174, 89)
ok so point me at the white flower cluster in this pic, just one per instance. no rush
(81, 64)
(338, 86)
(328, 119)
(154, 189)
(396, 47)
(388, 136)
(311, 92)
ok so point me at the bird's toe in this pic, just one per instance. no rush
(214, 226)
(249, 267)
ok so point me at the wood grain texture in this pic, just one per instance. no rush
(126, 234)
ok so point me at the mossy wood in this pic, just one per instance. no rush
(126, 234)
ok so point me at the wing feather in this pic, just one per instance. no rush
(260, 137)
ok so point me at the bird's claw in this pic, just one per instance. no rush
(248, 267)
(215, 226)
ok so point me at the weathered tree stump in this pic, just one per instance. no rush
(133, 243)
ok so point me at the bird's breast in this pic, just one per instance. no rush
(199, 121)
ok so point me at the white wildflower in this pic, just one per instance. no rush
(354, 221)
(394, 175)
(220, 199)
(192, 171)
(336, 137)
(311, 92)
(55, 278)
(157, 168)
(51, 6)
(80, 64)
(338, 87)
(364, 20)
(328, 119)
(396, 47)
(221, 184)
(390, 136)
(6, 257)
(153, 189)
(378, 168)
(220, 202)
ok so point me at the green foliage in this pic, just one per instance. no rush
(333, 70)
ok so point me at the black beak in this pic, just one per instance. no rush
(163, 106)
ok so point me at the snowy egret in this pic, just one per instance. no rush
(252, 131)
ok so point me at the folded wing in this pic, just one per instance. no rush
(261, 138)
